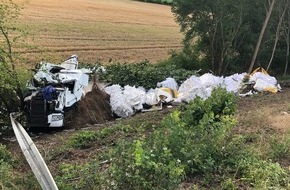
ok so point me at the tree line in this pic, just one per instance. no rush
(165, 2)
(229, 36)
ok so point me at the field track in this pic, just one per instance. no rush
(99, 30)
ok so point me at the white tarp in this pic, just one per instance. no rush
(203, 86)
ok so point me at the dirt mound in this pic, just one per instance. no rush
(94, 108)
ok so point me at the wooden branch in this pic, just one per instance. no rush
(257, 48)
(277, 35)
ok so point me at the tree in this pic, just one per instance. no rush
(257, 48)
(232, 36)
(286, 35)
(283, 6)
(216, 27)
(11, 96)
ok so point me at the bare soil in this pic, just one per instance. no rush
(265, 111)
(92, 109)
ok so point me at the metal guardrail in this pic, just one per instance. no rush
(33, 156)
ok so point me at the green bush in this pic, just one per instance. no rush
(5, 155)
(83, 139)
(217, 107)
(6, 173)
(187, 61)
(142, 74)
(78, 176)
(279, 149)
(261, 174)
(194, 142)
(179, 148)
(137, 167)
(7, 179)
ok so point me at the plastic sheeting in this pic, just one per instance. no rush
(233, 83)
(150, 97)
(203, 86)
(264, 82)
(168, 83)
(190, 89)
(209, 82)
(119, 103)
(135, 97)
(126, 101)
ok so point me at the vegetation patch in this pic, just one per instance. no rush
(143, 74)
(78, 176)
(8, 178)
(194, 142)
(83, 139)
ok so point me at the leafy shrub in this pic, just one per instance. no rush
(279, 149)
(78, 176)
(178, 148)
(6, 172)
(142, 74)
(195, 141)
(10, 101)
(5, 155)
(136, 167)
(218, 106)
(261, 174)
(83, 139)
(183, 60)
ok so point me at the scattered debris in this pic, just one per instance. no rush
(263, 81)
(284, 113)
(58, 87)
(128, 100)
(54, 89)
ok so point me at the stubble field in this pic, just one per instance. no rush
(99, 30)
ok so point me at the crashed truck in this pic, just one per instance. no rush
(54, 89)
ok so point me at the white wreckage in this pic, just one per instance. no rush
(54, 89)
(128, 100)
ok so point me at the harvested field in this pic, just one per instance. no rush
(99, 30)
